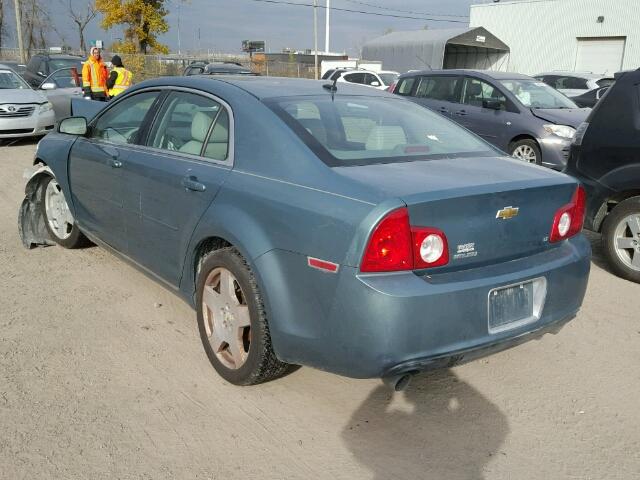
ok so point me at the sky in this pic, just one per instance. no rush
(222, 24)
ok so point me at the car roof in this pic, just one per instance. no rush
(267, 87)
(486, 74)
(587, 75)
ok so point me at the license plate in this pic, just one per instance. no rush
(516, 305)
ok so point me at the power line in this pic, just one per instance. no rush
(405, 11)
(283, 2)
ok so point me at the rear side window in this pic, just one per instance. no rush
(441, 88)
(405, 86)
(571, 83)
(476, 92)
(354, 77)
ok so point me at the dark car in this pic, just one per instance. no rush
(518, 114)
(348, 229)
(41, 66)
(219, 68)
(605, 157)
(17, 67)
(590, 98)
(194, 68)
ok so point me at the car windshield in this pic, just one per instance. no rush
(9, 80)
(58, 63)
(361, 130)
(388, 78)
(535, 94)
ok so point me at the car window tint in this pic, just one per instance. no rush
(370, 78)
(42, 68)
(184, 122)
(336, 74)
(441, 88)
(476, 92)
(328, 73)
(218, 143)
(354, 77)
(571, 83)
(364, 130)
(605, 82)
(65, 78)
(121, 123)
(405, 86)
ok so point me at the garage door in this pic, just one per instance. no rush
(600, 55)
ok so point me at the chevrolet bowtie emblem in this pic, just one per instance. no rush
(507, 212)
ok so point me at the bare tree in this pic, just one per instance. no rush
(82, 20)
(36, 23)
(1, 22)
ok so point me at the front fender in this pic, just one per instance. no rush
(31, 221)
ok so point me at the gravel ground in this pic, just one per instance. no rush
(102, 375)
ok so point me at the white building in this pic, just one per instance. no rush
(584, 35)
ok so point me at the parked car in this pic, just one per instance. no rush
(573, 84)
(518, 114)
(590, 98)
(349, 229)
(41, 66)
(605, 158)
(17, 67)
(60, 87)
(24, 112)
(380, 80)
(194, 68)
(219, 68)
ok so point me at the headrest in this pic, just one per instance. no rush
(200, 126)
(385, 138)
(474, 89)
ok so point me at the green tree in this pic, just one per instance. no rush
(144, 20)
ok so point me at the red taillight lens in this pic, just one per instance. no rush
(392, 87)
(569, 219)
(395, 246)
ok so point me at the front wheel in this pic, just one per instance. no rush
(58, 218)
(621, 239)
(232, 321)
(526, 150)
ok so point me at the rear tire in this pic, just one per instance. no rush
(526, 150)
(232, 321)
(58, 219)
(621, 239)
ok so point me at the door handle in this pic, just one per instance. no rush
(115, 163)
(191, 182)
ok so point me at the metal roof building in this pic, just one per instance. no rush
(439, 48)
(599, 36)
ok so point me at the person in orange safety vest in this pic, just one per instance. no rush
(119, 79)
(94, 77)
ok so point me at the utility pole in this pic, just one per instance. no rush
(315, 36)
(179, 49)
(326, 28)
(23, 57)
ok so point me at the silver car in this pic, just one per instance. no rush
(60, 87)
(573, 84)
(24, 112)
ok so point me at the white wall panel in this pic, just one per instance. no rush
(543, 34)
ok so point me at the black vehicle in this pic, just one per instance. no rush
(219, 68)
(590, 98)
(17, 67)
(41, 66)
(194, 68)
(605, 157)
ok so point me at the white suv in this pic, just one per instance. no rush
(380, 80)
(573, 84)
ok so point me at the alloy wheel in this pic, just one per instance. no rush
(226, 318)
(627, 241)
(525, 153)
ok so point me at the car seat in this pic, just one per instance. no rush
(199, 129)
(385, 137)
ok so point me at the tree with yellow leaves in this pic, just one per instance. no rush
(144, 20)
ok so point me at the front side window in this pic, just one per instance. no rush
(534, 94)
(442, 88)
(187, 122)
(477, 92)
(122, 123)
(365, 130)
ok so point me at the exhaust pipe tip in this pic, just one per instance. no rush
(398, 382)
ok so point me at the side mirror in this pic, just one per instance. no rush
(48, 86)
(375, 84)
(492, 104)
(73, 126)
(41, 74)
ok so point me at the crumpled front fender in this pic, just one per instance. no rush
(31, 221)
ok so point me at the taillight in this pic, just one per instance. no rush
(395, 246)
(569, 219)
(392, 87)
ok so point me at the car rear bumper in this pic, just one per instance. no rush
(33, 125)
(375, 325)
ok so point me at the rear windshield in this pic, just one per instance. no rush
(361, 130)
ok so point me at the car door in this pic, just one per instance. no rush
(440, 93)
(492, 124)
(95, 167)
(175, 177)
(60, 87)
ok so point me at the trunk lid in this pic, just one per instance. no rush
(464, 197)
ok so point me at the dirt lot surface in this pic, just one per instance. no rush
(102, 376)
